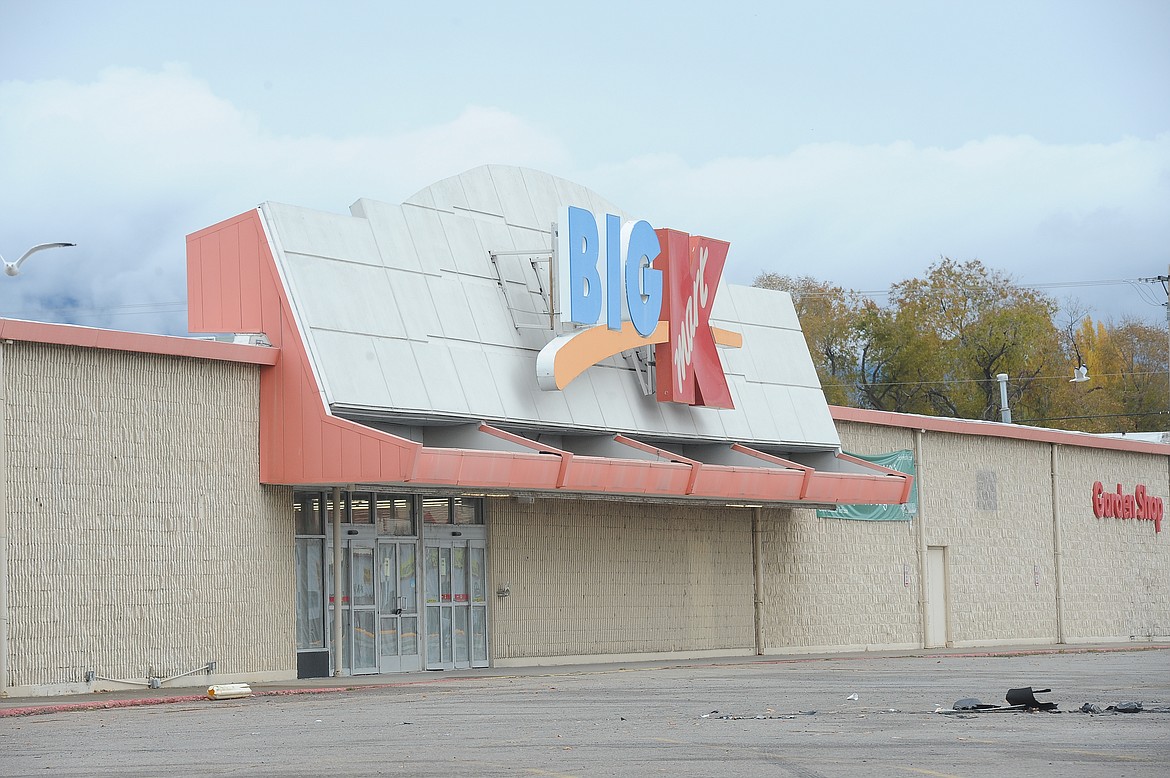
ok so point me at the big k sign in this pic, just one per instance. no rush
(630, 286)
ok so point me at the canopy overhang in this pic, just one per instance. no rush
(235, 285)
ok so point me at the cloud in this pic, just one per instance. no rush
(867, 216)
(130, 163)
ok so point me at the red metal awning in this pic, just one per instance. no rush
(233, 285)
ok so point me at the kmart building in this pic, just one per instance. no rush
(505, 423)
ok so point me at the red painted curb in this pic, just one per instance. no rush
(44, 710)
(41, 710)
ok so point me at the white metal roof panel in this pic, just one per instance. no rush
(440, 377)
(514, 197)
(761, 306)
(414, 305)
(493, 322)
(326, 234)
(735, 425)
(779, 401)
(448, 194)
(609, 385)
(346, 297)
(709, 423)
(405, 384)
(430, 242)
(350, 361)
(530, 239)
(542, 190)
(760, 421)
(813, 412)
(584, 403)
(494, 235)
(467, 250)
(507, 370)
(779, 356)
(481, 192)
(455, 316)
(475, 378)
(391, 234)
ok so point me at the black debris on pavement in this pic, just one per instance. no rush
(1026, 696)
(972, 703)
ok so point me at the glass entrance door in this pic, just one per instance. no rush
(362, 610)
(456, 603)
(378, 581)
(397, 607)
(379, 601)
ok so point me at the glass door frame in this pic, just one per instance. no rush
(444, 631)
(367, 609)
(400, 612)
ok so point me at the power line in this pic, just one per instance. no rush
(1133, 282)
(173, 306)
(992, 380)
(1096, 416)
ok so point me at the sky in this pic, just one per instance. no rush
(854, 142)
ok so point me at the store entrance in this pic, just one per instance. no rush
(411, 567)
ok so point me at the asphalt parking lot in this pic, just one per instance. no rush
(747, 717)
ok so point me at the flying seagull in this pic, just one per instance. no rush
(13, 268)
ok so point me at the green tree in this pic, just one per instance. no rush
(1086, 406)
(1127, 390)
(938, 345)
(951, 332)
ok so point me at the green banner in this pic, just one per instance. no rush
(903, 462)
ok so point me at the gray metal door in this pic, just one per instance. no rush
(936, 597)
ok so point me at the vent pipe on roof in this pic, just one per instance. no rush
(1005, 413)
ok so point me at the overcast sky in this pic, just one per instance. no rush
(856, 142)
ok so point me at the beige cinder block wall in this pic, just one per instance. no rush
(832, 584)
(140, 542)
(590, 578)
(1116, 573)
(988, 501)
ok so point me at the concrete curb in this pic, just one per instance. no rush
(43, 710)
(67, 707)
(347, 684)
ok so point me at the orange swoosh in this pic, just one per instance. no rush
(590, 346)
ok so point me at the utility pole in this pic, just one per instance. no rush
(1165, 281)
